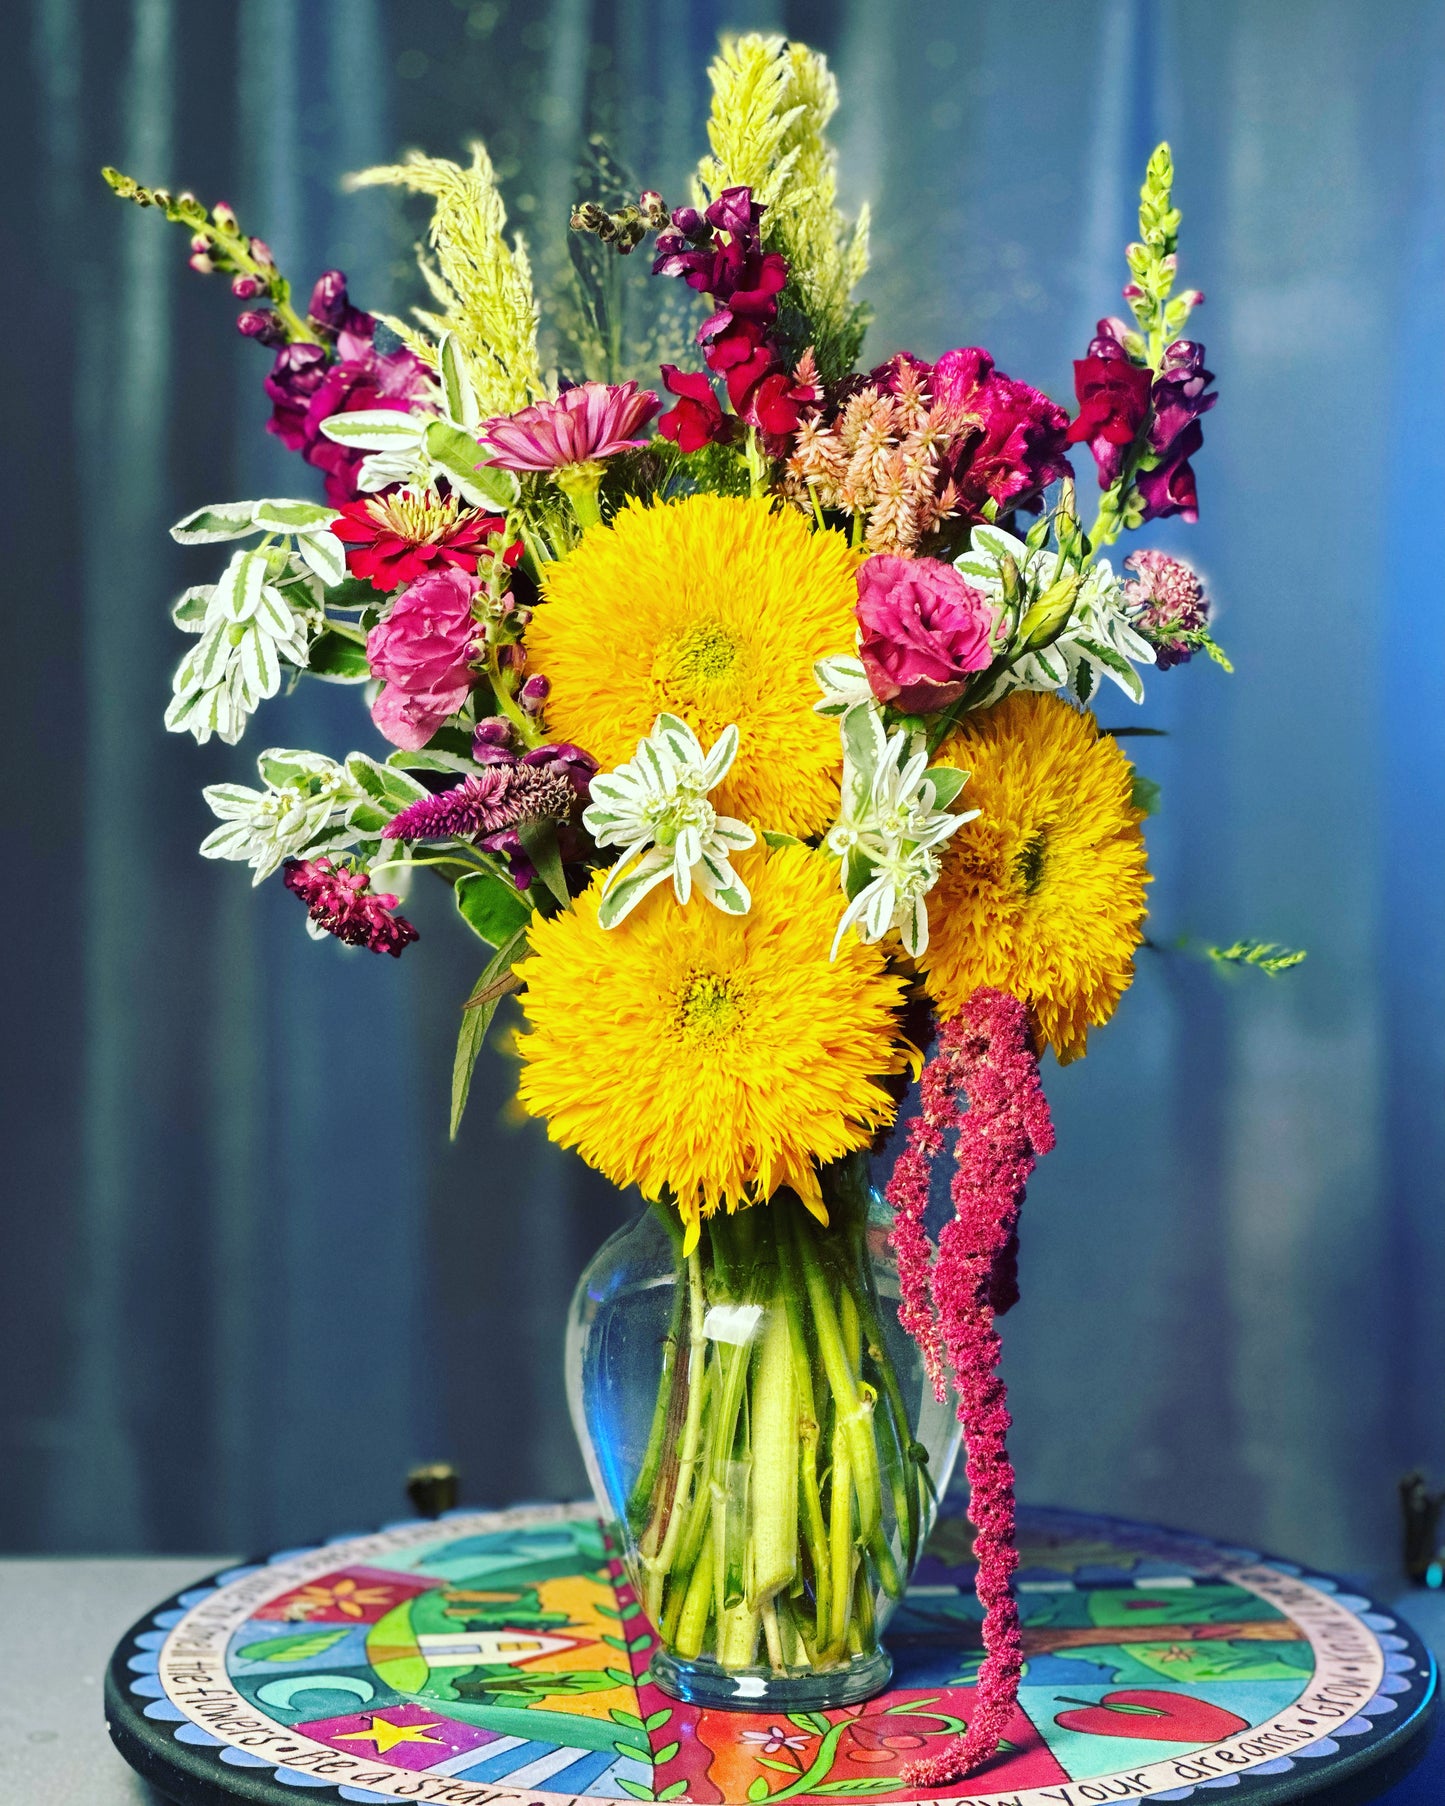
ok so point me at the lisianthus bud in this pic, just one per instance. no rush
(1049, 616)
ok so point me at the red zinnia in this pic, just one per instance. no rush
(394, 539)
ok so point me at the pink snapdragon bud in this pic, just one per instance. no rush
(261, 324)
(224, 215)
(246, 288)
(533, 694)
(199, 262)
(261, 251)
(200, 242)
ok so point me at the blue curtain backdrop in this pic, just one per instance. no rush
(245, 1279)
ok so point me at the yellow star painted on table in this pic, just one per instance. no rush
(385, 1734)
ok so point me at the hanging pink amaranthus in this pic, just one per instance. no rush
(984, 1083)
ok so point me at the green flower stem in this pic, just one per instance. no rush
(840, 1543)
(657, 1567)
(639, 1504)
(580, 484)
(854, 1412)
(901, 1451)
(528, 729)
(346, 630)
(696, 1609)
(774, 1504)
(814, 1526)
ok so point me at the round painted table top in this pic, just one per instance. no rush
(496, 1657)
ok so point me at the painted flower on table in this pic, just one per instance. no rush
(394, 538)
(423, 652)
(923, 631)
(309, 383)
(584, 425)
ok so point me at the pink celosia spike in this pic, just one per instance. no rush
(985, 1054)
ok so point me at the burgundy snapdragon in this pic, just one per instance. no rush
(342, 902)
(719, 253)
(982, 1084)
(308, 383)
(1120, 398)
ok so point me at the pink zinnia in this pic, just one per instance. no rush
(583, 426)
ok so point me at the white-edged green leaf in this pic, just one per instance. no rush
(722, 887)
(188, 611)
(384, 784)
(273, 614)
(324, 554)
(457, 390)
(232, 840)
(376, 429)
(281, 514)
(1117, 666)
(728, 831)
(238, 591)
(773, 839)
(625, 893)
(259, 663)
(283, 765)
(217, 521)
(454, 452)
(945, 783)
(719, 760)
(379, 470)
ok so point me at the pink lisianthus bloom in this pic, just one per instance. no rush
(424, 650)
(924, 631)
(582, 426)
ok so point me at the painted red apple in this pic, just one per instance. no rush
(1146, 1712)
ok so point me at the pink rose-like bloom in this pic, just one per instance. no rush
(424, 650)
(924, 631)
(590, 422)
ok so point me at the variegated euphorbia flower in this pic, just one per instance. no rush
(894, 821)
(655, 808)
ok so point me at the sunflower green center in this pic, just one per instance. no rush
(696, 661)
(710, 1008)
(1029, 866)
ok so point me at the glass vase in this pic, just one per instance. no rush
(763, 1434)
